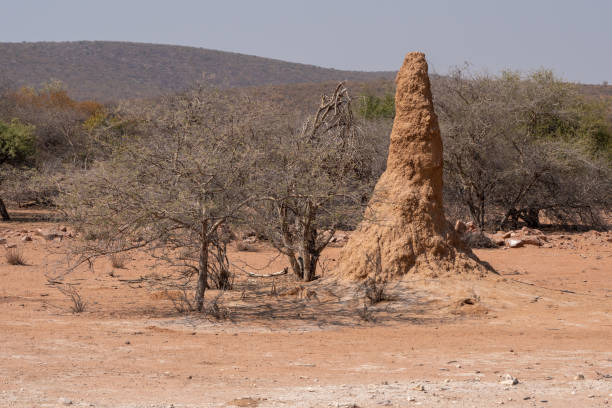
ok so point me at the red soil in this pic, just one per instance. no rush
(545, 320)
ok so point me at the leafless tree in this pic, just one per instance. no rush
(168, 189)
(313, 180)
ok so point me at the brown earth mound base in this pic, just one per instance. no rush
(405, 217)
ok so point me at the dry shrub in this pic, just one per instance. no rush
(375, 291)
(180, 300)
(118, 260)
(219, 275)
(273, 288)
(365, 314)
(375, 285)
(78, 303)
(14, 256)
(184, 304)
(216, 310)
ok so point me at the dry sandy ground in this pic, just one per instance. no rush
(546, 320)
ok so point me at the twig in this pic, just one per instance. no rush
(270, 275)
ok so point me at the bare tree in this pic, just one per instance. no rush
(313, 180)
(168, 189)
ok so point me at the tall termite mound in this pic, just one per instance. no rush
(405, 217)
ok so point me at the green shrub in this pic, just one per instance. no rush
(17, 141)
(375, 107)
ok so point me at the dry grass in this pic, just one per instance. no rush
(78, 305)
(216, 310)
(365, 313)
(180, 300)
(118, 260)
(14, 256)
(375, 291)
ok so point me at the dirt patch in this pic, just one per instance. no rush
(548, 319)
(245, 402)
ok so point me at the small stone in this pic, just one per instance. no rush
(532, 241)
(50, 235)
(579, 377)
(63, 228)
(515, 243)
(411, 399)
(127, 342)
(507, 379)
(591, 396)
(2, 241)
(65, 401)
(26, 238)
(419, 387)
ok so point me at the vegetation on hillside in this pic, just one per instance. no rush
(107, 71)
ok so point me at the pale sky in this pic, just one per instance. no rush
(574, 38)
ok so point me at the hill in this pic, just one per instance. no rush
(116, 70)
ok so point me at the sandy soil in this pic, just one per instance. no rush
(545, 320)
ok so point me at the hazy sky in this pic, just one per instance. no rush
(574, 38)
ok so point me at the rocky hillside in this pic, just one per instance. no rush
(114, 70)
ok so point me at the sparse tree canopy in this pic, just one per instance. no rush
(169, 189)
(313, 179)
(521, 146)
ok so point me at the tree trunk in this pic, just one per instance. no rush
(3, 212)
(305, 265)
(203, 267)
(531, 217)
(308, 247)
(295, 265)
(481, 211)
(288, 242)
(310, 256)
